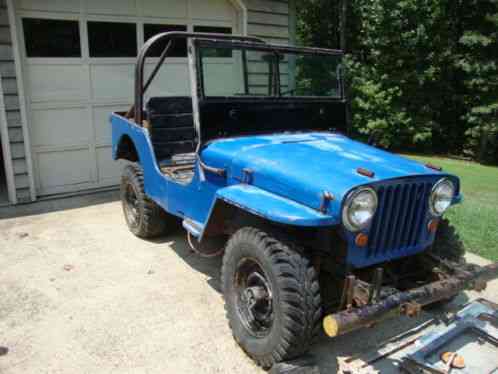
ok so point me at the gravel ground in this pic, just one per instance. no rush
(80, 294)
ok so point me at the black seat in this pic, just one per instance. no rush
(171, 126)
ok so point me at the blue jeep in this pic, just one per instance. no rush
(314, 227)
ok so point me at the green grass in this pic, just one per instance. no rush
(476, 218)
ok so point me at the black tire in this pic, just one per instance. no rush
(448, 246)
(292, 283)
(144, 217)
(447, 243)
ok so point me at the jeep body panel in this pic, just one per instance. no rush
(282, 178)
(260, 171)
(276, 157)
(273, 207)
(301, 167)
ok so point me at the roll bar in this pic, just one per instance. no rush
(140, 88)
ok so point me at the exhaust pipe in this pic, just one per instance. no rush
(409, 302)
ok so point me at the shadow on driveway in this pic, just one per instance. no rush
(326, 350)
(79, 236)
(59, 203)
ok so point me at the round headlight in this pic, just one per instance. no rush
(359, 209)
(441, 196)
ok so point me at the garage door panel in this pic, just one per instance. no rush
(60, 127)
(64, 168)
(114, 7)
(58, 82)
(109, 170)
(101, 122)
(221, 79)
(172, 79)
(50, 5)
(168, 8)
(112, 82)
(79, 67)
(213, 9)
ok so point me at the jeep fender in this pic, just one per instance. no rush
(136, 139)
(263, 204)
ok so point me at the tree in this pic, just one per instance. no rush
(478, 61)
(421, 73)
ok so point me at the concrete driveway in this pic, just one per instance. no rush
(80, 294)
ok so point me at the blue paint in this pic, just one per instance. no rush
(289, 173)
(273, 207)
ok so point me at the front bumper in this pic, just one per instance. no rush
(409, 302)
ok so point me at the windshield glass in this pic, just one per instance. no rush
(229, 70)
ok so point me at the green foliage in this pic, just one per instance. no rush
(422, 74)
(374, 107)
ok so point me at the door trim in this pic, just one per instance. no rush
(241, 16)
(4, 135)
(22, 98)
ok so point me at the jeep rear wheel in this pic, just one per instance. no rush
(272, 296)
(144, 218)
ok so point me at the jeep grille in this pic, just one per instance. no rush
(400, 217)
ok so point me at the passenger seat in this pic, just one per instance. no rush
(171, 127)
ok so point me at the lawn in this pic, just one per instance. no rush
(476, 218)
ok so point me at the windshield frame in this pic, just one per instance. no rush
(199, 43)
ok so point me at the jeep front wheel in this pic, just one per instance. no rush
(144, 218)
(272, 296)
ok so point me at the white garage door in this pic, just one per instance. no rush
(78, 62)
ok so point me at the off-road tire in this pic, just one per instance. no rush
(151, 219)
(447, 243)
(295, 291)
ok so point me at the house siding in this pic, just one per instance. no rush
(10, 94)
(268, 19)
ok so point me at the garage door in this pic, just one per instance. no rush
(78, 63)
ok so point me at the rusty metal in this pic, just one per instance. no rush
(376, 285)
(361, 293)
(434, 167)
(247, 175)
(346, 321)
(410, 309)
(348, 292)
(327, 197)
(365, 172)
(218, 171)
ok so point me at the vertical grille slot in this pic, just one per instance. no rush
(398, 223)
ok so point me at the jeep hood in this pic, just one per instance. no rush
(301, 167)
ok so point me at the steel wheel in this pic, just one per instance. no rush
(272, 296)
(143, 216)
(254, 297)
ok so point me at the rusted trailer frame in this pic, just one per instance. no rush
(409, 302)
